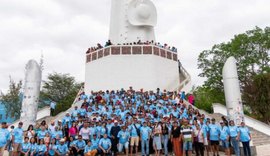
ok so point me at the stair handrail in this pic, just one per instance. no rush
(186, 74)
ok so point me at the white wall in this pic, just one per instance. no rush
(140, 71)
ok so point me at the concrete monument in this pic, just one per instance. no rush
(132, 20)
(232, 91)
(121, 65)
(31, 93)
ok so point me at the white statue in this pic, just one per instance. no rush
(232, 91)
(132, 20)
(31, 93)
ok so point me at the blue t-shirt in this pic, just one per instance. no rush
(59, 133)
(67, 120)
(42, 134)
(233, 131)
(123, 136)
(133, 130)
(62, 149)
(93, 131)
(105, 143)
(224, 133)
(214, 131)
(109, 127)
(4, 137)
(26, 146)
(52, 105)
(145, 130)
(33, 147)
(244, 134)
(72, 143)
(95, 143)
(80, 144)
(18, 135)
(41, 148)
(75, 113)
(205, 129)
(52, 149)
(88, 148)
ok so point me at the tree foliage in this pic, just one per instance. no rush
(60, 88)
(206, 96)
(251, 51)
(12, 99)
(257, 96)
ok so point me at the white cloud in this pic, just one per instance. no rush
(63, 30)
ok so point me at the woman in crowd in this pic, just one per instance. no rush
(52, 147)
(33, 146)
(198, 140)
(245, 138)
(30, 132)
(234, 137)
(176, 140)
(41, 149)
(73, 131)
(90, 149)
(25, 149)
(165, 137)
(157, 131)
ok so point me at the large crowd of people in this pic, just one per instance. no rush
(128, 122)
(109, 43)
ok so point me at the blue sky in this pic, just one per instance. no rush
(61, 31)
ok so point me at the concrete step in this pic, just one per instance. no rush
(263, 150)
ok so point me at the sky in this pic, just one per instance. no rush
(62, 30)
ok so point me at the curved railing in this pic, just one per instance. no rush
(131, 50)
(187, 76)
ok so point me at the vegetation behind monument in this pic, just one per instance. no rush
(251, 50)
(12, 100)
(61, 88)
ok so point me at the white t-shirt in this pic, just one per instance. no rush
(52, 128)
(85, 132)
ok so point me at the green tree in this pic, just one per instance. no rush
(206, 96)
(12, 99)
(257, 96)
(251, 51)
(61, 88)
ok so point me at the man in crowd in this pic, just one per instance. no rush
(187, 137)
(105, 145)
(214, 132)
(52, 107)
(123, 137)
(17, 139)
(145, 138)
(4, 137)
(134, 129)
(224, 137)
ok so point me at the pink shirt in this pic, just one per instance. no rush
(190, 99)
(72, 131)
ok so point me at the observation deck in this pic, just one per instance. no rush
(141, 66)
(131, 50)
